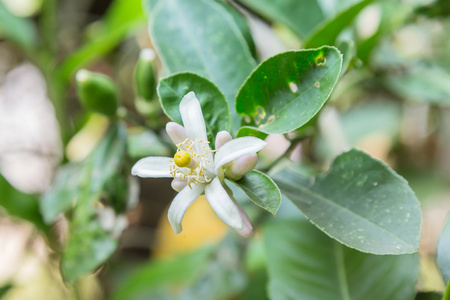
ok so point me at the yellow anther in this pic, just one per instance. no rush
(182, 159)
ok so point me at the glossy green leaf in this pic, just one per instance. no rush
(303, 263)
(426, 85)
(300, 16)
(328, 31)
(89, 246)
(443, 252)
(214, 105)
(160, 274)
(201, 36)
(360, 202)
(261, 189)
(288, 89)
(250, 131)
(122, 17)
(19, 204)
(21, 31)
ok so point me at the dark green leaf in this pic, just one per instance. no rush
(105, 160)
(300, 16)
(162, 273)
(201, 36)
(89, 246)
(360, 202)
(250, 131)
(20, 205)
(214, 105)
(261, 190)
(327, 32)
(4, 289)
(63, 193)
(21, 31)
(303, 263)
(443, 252)
(288, 89)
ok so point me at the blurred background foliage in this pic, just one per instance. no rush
(74, 224)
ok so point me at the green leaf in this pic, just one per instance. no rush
(242, 24)
(4, 289)
(328, 31)
(288, 89)
(261, 189)
(19, 204)
(105, 160)
(443, 252)
(20, 31)
(250, 131)
(63, 192)
(360, 202)
(214, 105)
(300, 16)
(159, 274)
(425, 85)
(303, 263)
(89, 246)
(347, 48)
(122, 17)
(202, 38)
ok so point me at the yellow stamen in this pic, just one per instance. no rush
(182, 158)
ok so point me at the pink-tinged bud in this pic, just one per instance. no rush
(178, 184)
(247, 230)
(222, 138)
(176, 132)
(241, 166)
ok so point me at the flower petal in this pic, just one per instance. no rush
(153, 166)
(247, 230)
(176, 132)
(192, 116)
(222, 204)
(181, 203)
(237, 148)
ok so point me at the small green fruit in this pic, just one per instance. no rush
(97, 92)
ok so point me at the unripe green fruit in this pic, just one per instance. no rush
(144, 75)
(97, 92)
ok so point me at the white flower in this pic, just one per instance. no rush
(197, 169)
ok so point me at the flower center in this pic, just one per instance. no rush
(192, 161)
(182, 158)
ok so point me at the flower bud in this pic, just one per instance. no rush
(178, 184)
(97, 92)
(144, 75)
(241, 166)
(222, 138)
